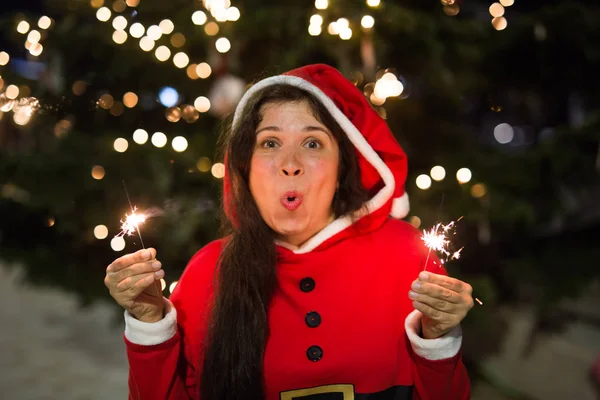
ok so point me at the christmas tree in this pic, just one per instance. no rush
(494, 103)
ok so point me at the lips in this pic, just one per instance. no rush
(291, 200)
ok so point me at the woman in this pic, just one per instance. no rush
(315, 290)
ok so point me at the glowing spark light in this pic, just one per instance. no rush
(131, 223)
(436, 241)
(479, 301)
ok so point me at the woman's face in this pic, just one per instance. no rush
(293, 172)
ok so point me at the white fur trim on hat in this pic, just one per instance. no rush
(400, 206)
(357, 139)
(432, 349)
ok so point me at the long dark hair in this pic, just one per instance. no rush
(238, 329)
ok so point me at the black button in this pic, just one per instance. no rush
(313, 319)
(314, 353)
(307, 284)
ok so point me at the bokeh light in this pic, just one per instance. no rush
(199, 18)
(140, 136)
(233, 14)
(166, 26)
(181, 60)
(106, 101)
(4, 58)
(321, 4)
(178, 40)
(478, 190)
(496, 10)
(507, 3)
(44, 22)
(211, 29)
(101, 232)
(203, 70)
(499, 23)
(34, 36)
(504, 133)
(191, 71)
(373, 3)
(154, 32)
(367, 22)
(172, 286)
(103, 14)
(146, 43)
(12, 92)
(117, 243)
(464, 175)
(159, 139)
(119, 37)
(121, 145)
(168, 96)
(423, 182)
(223, 45)
(202, 104)
(314, 30)
(23, 27)
(119, 23)
(163, 284)
(204, 164)
(415, 221)
(137, 30)
(98, 172)
(162, 53)
(218, 170)
(173, 114)
(130, 99)
(438, 173)
(179, 144)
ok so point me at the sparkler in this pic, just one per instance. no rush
(130, 225)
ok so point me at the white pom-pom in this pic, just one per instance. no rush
(400, 207)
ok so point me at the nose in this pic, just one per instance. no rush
(291, 166)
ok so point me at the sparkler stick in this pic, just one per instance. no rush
(132, 224)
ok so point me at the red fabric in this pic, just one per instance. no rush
(351, 101)
(360, 292)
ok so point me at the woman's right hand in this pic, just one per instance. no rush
(133, 281)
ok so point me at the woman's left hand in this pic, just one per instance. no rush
(444, 302)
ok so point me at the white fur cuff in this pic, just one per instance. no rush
(444, 347)
(149, 334)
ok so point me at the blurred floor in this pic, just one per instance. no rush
(49, 349)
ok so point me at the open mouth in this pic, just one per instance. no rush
(291, 200)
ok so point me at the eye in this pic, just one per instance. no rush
(314, 144)
(268, 144)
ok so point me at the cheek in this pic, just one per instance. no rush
(260, 170)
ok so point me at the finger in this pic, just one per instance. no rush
(438, 304)
(131, 283)
(431, 312)
(437, 291)
(135, 269)
(128, 259)
(446, 281)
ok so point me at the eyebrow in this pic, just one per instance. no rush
(309, 128)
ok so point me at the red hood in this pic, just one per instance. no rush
(383, 163)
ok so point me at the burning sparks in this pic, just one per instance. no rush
(131, 223)
(479, 301)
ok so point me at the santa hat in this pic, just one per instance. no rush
(383, 163)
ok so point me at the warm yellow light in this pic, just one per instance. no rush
(199, 18)
(162, 53)
(415, 221)
(119, 6)
(423, 182)
(36, 49)
(173, 114)
(4, 58)
(12, 92)
(223, 45)
(346, 34)
(106, 101)
(316, 19)
(373, 3)
(101, 232)
(172, 286)
(191, 71)
(478, 190)
(496, 10)
(163, 284)
(119, 37)
(203, 164)
(218, 170)
(117, 109)
(137, 30)
(159, 139)
(438, 173)
(181, 60)
(79, 88)
(23, 27)
(507, 3)
(203, 70)
(34, 36)
(233, 14)
(50, 222)
(154, 32)
(103, 14)
(146, 43)
(22, 117)
(177, 40)
(321, 4)
(202, 104)
(179, 143)
(117, 243)
(333, 28)
(377, 101)
(132, 3)
(166, 26)
(44, 22)
(343, 23)
(121, 145)
(211, 29)
(314, 30)
(96, 3)
(140, 136)
(499, 23)
(367, 22)
(463, 175)
(98, 172)
(219, 14)
(119, 23)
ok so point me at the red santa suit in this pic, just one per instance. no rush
(341, 323)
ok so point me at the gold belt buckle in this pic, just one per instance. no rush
(347, 392)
